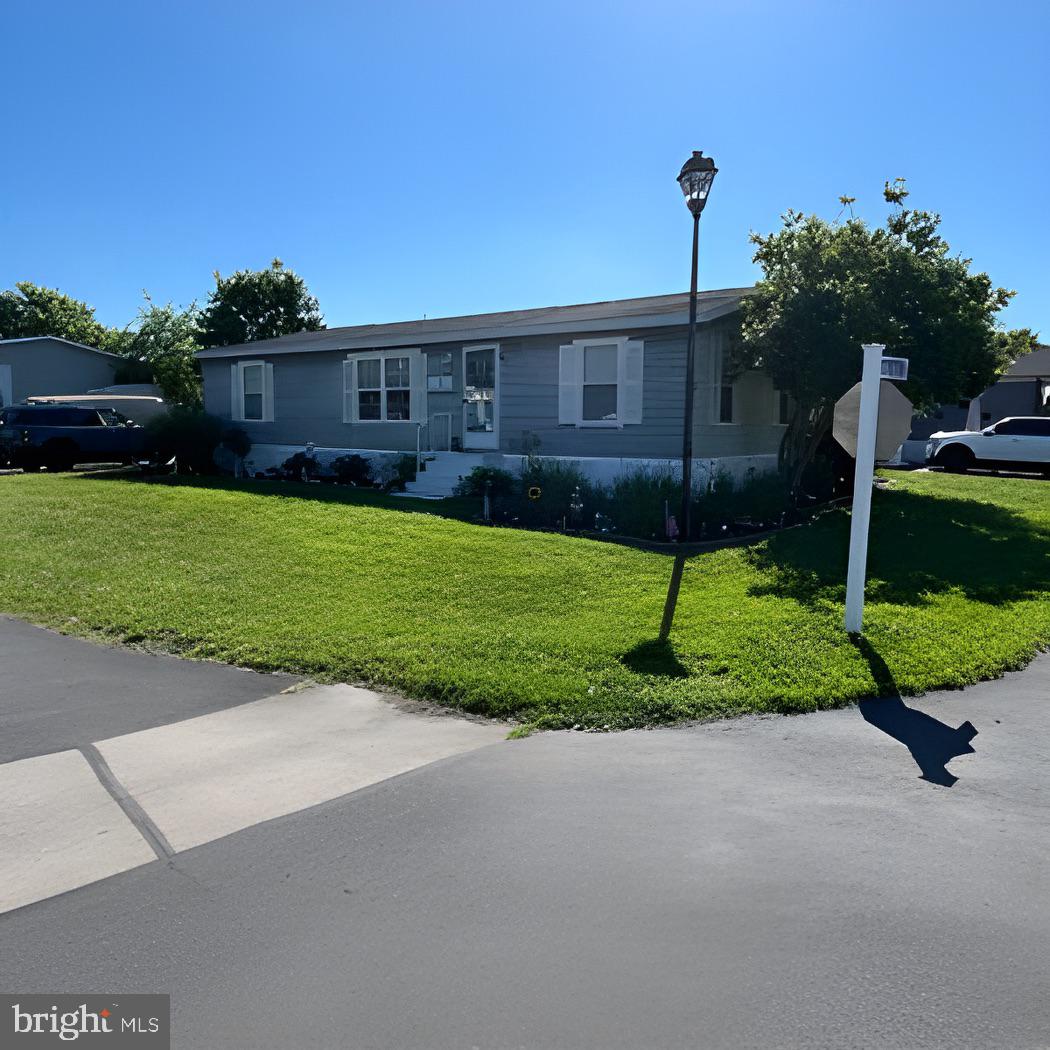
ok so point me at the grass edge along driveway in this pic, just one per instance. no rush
(550, 630)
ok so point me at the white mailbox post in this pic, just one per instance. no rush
(869, 433)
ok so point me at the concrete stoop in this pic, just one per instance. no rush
(444, 470)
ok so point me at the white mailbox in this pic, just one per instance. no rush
(895, 368)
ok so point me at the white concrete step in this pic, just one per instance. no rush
(444, 470)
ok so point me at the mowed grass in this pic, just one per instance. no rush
(551, 630)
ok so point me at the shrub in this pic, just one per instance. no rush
(190, 435)
(300, 467)
(404, 472)
(638, 502)
(759, 499)
(501, 482)
(352, 470)
(237, 441)
(554, 484)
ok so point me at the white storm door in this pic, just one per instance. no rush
(481, 397)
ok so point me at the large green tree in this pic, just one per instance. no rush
(827, 287)
(1013, 344)
(32, 310)
(161, 347)
(258, 304)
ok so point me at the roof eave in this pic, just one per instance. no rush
(59, 339)
(632, 322)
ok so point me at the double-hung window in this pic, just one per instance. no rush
(370, 388)
(252, 376)
(379, 388)
(397, 388)
(716, 394)
(439, 370)
(600, 382)
(251, 389)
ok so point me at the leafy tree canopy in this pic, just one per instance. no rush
(1012, 344)
(828, 287)
(32, 310)
(161, 348)
(258, 304)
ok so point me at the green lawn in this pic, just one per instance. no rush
(551, 630)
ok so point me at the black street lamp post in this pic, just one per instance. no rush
(695, 178)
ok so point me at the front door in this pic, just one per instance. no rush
(480, 397)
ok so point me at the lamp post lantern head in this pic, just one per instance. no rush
(695, 178)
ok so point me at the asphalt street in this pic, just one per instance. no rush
(810, 881)
(61, 692)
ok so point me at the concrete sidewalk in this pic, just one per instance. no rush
(72, 816)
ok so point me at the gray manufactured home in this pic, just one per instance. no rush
(41, 365)
(599, 383)
(1022, 390)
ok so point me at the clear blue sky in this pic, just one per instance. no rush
(445, 157)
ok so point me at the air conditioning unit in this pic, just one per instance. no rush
(895, 368)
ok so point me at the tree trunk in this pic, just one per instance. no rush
(806, 429)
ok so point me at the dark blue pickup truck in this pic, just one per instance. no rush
(59, 436)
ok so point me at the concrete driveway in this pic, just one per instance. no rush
(766, 882)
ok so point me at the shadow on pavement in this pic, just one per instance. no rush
(932, 744)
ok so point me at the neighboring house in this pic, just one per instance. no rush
(944, 417)
(598, 383)
(44, 365)
(1022, 390)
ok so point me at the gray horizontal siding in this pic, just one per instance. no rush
(308, 404)
(49, 366)
(529, 405)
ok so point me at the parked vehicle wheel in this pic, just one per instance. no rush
(59, 454)
(956, 459)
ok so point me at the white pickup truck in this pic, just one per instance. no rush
(1016, 443)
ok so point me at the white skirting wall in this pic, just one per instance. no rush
(602, 470)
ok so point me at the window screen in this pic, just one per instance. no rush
(253, 391)
(600, 375)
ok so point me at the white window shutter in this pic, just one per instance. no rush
(236, 392)
(570, 384)
(632, 370)
(268, 407)
(349, 401)
(417, 399)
